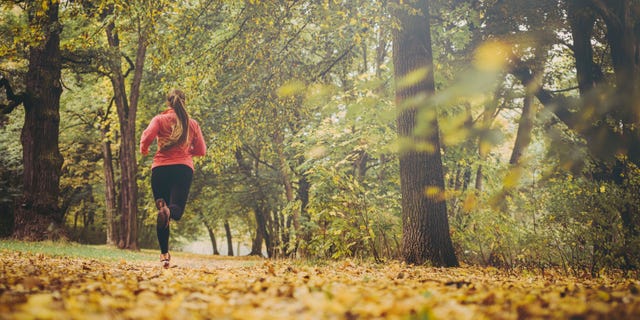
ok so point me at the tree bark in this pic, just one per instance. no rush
(523, 136)
(303, 196)
(110, 190)
(37, 215)
(424, 219)
(227, 230)
(261, 228)
(582, 20)
(622, 24)
(212, 236)
(127, 109)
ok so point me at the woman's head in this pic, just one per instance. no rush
(176, 101)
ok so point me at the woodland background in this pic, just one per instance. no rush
(537, 101)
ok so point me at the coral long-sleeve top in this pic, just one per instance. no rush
(160, 127)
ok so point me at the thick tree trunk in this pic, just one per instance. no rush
(227, 231)
(256, 245)
(425, 223)
(37, 215)
(262, 231)
(582, 20)
(622, 24)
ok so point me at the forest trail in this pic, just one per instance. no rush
(38, 285)
(200, 261)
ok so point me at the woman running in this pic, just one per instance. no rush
(179, 140)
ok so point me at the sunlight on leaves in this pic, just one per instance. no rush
(412, 78)
(291, 88)
(512, 178)
(454, 130)
(492, 56)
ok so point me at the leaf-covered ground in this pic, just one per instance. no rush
(42, 286)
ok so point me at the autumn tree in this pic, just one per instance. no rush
(37, 214)
(128, 29)
(424, 213)
(126, 106)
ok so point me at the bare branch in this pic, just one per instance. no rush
(325, 71)
(564, 90)
(14, 99)
(131, 65)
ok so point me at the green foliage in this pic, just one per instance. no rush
(551, 220)
(348, 219)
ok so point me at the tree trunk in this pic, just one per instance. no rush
(523, 137)
(582, 20)
(227, 231)
(127, 109)
(622, 25)
(273, 233)
(360, 165)
(212, 236)
(479, 178)
(256, 245)
(425, 224)
(37, 215)
(110, 190)
(280, 236)
(303, 196)
(285, 176)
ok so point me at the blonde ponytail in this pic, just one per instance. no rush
(180, 132)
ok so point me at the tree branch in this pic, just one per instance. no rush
(131, 65)
(558, 104)
(14, 99)
(325, 71)
(605, 12)
(85, 61)
(564, 90)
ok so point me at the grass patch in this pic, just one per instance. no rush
(72, 249)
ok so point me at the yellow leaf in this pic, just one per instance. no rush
(492, 55)
(291, 88)
(433, 192)
(413, 78)
(512, 178)
(470, 202)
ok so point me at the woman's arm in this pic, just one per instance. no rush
(199, 148)
(148, 135)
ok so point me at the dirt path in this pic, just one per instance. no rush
(205, 262)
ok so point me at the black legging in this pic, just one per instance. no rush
(172, 184)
